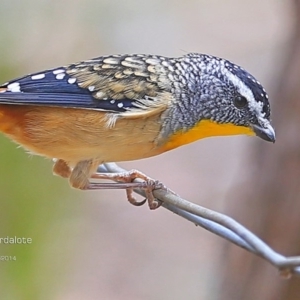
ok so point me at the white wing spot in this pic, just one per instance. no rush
(60, 76)
(71, 80)
(91, 88)
(58, 71)
(112, 101)
(38, 76)
(120, 105)
(14, 87)
(100, 94)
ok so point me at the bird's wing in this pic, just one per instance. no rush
(122, 84)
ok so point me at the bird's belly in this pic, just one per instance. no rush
(76, 134)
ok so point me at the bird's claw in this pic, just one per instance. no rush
(149, 185)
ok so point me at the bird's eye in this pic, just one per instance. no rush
(240, 102)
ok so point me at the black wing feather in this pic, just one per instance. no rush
(51, 91)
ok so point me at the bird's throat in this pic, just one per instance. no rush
(204, 129)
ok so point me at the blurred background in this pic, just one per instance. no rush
(94, 245)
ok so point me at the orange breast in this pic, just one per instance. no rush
(77, 134)
(204, 129)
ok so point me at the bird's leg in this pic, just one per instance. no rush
(80, 175)
(79, 178)
(61, 168)
(125, 180)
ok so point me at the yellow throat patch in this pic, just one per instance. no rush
(203, 129)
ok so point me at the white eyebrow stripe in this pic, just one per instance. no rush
(245, 91)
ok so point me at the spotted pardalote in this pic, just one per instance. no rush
(128, 107)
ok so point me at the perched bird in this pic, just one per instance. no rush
(128, 107)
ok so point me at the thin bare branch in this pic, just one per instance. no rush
(217, 223)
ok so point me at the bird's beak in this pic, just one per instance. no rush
(265, 132)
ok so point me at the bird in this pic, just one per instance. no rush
(127, 107)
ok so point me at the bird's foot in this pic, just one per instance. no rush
(126, 181)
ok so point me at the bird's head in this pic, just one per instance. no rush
(226, 94)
